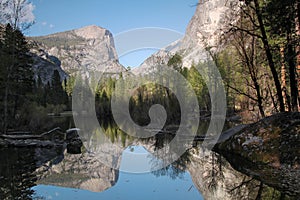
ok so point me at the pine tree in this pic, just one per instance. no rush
(59, 95)
(16, 74)
(176, 62)
(280, 19)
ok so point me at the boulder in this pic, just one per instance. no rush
(268, 150)
(72, 134)
(73, 141)
(74, 146)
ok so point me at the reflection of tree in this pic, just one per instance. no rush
(214, 173)
(218, 175)
(17, 172)
(214, 176)
(170, 171)
(176, 169)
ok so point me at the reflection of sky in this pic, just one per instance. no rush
(137, 159)
(131, 186)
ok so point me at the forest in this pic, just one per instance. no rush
(258, 58)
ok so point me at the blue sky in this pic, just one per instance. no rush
(115, 15)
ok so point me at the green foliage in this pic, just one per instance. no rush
(16, 77)
(147, 95)
(175, 62)
(57, 95)
(258, 65)
(23, 100)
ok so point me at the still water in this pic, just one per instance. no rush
(52, 173)
(167, 184)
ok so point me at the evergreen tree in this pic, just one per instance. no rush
(176, 62)
(58, 94)
(16, 74)
(281, 23)
(39, 90)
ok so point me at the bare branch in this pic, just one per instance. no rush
(242, 184)
(235, 28)
(242, 93)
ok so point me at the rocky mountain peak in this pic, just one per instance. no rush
(92, 32)
(89, 48)
(209, 22)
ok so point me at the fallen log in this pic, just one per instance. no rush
(26, 136)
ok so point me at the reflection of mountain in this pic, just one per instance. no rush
(216, 179)
(92, 170)
(212, 175)
(82, 171)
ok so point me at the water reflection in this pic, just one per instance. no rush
(41, 173)
(168, 183)
(81, 171)
(17, 170)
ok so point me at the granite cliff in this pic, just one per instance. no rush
(203, 32)
(89, 48)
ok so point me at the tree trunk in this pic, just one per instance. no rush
(269, 56)
(259, 99)
(283, 80)
(273, 99)
(5, 109)
(298, 48)
(292, 71)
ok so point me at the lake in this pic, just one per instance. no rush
(53, 173)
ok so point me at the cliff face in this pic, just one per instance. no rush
(150, 64)
(90, 48)
(210, 21)
(45, 64)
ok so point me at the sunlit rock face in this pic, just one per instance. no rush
(89, 48)
(210, 21)
(205, 29)
(150, 64)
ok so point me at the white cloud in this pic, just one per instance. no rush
(44, 23)
(51, 26)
